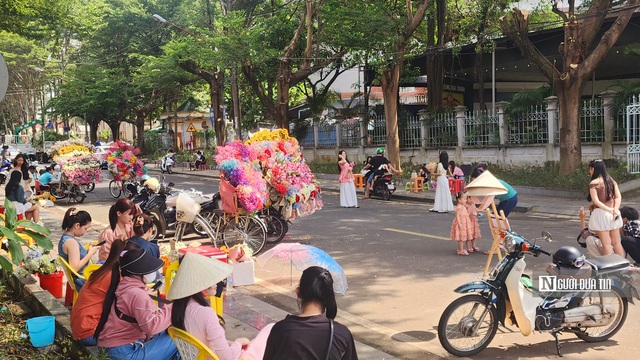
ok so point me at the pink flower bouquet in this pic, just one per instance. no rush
(122, 161)
(77, 161)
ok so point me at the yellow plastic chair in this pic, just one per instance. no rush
(69, 273)
(189, 347)
(90, 269)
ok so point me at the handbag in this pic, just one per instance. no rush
(330, 339)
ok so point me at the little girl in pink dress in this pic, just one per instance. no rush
(473, 217)
(461, 230)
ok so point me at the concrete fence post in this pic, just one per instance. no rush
(502, 127)
(316, 133)
(608, 122)
(552, 118)
(424, 134)
(460, 118)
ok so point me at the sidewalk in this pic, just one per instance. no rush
(530, 200)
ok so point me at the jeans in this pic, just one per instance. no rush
(90, 341)
(159, 347)
(508, 205)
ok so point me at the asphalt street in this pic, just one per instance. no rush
(402, 268)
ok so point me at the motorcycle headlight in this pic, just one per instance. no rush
(510, 243)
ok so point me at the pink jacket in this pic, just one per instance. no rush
(202, 322)
(109, 236)
(346, 173)
(134, 301)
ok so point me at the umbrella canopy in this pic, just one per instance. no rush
(485, 185)
(304, 256)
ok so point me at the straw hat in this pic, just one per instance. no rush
(197, 273)
(485, 185)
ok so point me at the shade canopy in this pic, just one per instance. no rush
(485, 185)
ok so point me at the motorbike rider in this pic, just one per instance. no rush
(168, 160)
(379, 164)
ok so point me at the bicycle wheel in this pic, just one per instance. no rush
(249, 230)
(59, 191)
(277, 228)
(88, 187)
(115, 188)
(126, 190)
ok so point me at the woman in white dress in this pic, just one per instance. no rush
(348, 196)
(442, 202)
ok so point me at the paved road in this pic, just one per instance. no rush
(402, 269)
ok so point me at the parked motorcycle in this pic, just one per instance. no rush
(5, 166)
(166, 164)
(383, 186)
(586, 297)
(160, 205)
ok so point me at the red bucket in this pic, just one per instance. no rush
(52, 283)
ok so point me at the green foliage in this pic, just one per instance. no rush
(524, 100)
(10, 232)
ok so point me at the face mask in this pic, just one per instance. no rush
(149, 278)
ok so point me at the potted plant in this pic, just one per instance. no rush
(15, 236)
(38, 261)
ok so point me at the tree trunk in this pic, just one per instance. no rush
(390, 81)
(435, 79)
(140, 118)
(479, 70)
(282, 104)
(93, 132)
(115, 129)
(569, 96)
(216, 84)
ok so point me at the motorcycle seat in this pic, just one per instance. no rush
(608, 262)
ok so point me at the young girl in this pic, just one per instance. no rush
(15, 193)
(348, 196)
(605, 219)
(74, 225)
(461, 230)
(120, 225)
(473, 217)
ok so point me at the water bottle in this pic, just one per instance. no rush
(414, 174)
(229, 284)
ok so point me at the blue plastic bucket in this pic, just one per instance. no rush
(42, 330)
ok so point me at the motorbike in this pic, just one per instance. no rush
(5, 166)
(586, 297)
(166, 164)
(161, 207)
(383, 186)
(65, 189)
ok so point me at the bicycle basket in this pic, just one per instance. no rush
(229, 197)
(186, 208)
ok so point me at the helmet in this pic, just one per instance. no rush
(568, 257)
(380, 151)
(145, 178)
(153, 184)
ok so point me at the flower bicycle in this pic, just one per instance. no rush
(119, 187)
(233, 229)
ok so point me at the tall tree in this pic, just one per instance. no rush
(579, 60)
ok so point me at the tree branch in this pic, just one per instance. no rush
(304, 72)
(414, 19)
(607, 41)
(267, 102)
(592, 21)
(559, 12)
(518, 33)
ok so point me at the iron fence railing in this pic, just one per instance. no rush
(592, 121)
(441, 130)
(481, 128)
(409, 132)
(529, 127)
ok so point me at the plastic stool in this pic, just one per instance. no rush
(417, 184)
(358, 180)
(456, 185)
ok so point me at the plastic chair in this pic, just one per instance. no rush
(90, 269)
(69, 273)
(189, 347)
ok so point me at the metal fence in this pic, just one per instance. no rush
(481, 128)
(327, 136)
(441, 130)
(377, 131)
(409, 132)
(592, 121)
(350, 133)
(528, 127)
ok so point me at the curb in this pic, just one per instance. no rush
(42, 303)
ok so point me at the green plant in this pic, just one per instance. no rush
(10, 231)
(37, 261)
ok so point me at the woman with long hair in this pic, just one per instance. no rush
(348, 197)
(134, 327)
(15, 193)
(74, 225)
(442, 202)
(605, 218)
(507, 201)
(197, 277)
(314, 334)
(120, 225)
(143, 228)
(88, 308)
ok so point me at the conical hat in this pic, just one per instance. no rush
(485, 185)
(197, 273)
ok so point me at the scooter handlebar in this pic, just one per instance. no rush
(539, 250)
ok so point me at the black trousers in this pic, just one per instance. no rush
(632, 246)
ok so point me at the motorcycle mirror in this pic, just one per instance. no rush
(547, 236)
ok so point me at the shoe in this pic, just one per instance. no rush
(470, 250)
(433, 210)
(463, 253)
(357, 207)
(486, 252)
(476, 249)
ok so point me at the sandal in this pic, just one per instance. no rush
(470, 250)
(463, 253)
(476, 249)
